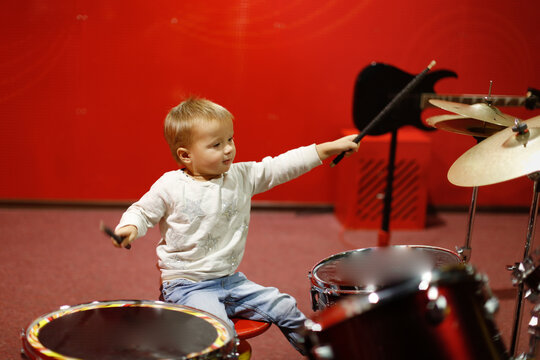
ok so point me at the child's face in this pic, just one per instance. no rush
(212, 149)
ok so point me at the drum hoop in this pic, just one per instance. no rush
(32, 333)
(319, 283)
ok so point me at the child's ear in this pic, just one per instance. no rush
(184, 155)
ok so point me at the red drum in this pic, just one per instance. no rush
(363, 271)
(129, 330)
(443, 314)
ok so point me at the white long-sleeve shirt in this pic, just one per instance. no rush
(204, 224)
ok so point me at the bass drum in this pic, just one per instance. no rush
(363, 271)
(445, 314)
(129, 330)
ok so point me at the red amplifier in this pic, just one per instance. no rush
(362, 182)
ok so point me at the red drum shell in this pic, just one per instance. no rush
(443, 318)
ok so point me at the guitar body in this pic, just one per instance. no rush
(377, 84)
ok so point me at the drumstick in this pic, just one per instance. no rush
(386, 109)
(111, 233)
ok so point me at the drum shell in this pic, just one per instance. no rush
(79, 328)
(404, 324)
(326, 291)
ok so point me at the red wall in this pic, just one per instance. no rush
(84, 86)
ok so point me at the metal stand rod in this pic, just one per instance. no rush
(534, 333)
(534, 336)
(530, 234)
(383, 238)
(464, 252)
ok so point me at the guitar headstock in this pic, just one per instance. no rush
(533, 99)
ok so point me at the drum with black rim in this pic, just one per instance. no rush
(129, 330)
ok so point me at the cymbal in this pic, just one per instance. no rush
(464, 125)
(480, 111)
(503, 156)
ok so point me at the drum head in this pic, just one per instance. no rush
(128, 330)
(376, 268)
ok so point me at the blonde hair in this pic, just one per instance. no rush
(182, 118)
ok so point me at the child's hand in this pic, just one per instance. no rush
(128, 233)
(336, 147)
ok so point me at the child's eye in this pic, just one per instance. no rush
(230, 139)
(217, 144)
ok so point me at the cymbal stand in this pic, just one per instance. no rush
(464, 252)
(535, 177)
(534, 335)
(488, 99)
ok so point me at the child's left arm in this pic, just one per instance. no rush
(336, 147)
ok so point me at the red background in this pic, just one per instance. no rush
(85, 85)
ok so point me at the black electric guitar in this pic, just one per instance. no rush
(378, 83)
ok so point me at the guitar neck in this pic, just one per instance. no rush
(497, 100)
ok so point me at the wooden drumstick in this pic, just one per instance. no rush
(111, 233)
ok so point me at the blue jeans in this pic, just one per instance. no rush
(236, 296)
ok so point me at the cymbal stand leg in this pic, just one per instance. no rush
(530, 234)
(534, 335)
(464, 252)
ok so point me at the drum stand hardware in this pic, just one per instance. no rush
(436, 310)
(491, 305)
(23, 353)
(527, 272)
(534, 334)
(535, 177)
(317, 352)
(464, 252)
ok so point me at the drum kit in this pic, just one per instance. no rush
(432, 304)
(391, 302)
